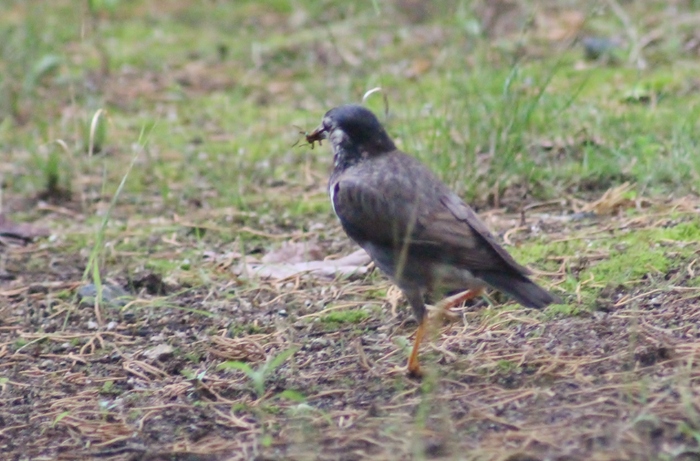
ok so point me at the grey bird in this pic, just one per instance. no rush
(415, 229)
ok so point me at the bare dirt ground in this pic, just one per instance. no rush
(616, 383)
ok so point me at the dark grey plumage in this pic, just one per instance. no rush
(414, 227)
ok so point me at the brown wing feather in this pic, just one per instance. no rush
(463, 224)
(451, 232)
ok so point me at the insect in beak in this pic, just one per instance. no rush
(312, 138)
(317, 135)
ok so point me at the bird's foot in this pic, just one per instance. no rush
(459, 298)
(415, 373)
(444, 307)
(440, 313)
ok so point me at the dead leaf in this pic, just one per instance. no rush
(201, 76)
(354, 263)
(294, 252)
(419, 67)
(279, 87)
(394, 295)
(457, 137)
(159, 352)
(20, 231)
(560, 25)
(247, 349)
(500, 18)
(612, 200)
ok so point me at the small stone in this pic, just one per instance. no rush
(159, 352)
(580, 216)
(317, 344)
(656, 300)
(129, 317)
(112, 295)
(596, 47)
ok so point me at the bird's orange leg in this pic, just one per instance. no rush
(459, 298)
(413, 364)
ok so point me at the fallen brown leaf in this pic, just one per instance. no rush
(354, 263)
(293, 252)
(419, 67)
(561, 25)
(20, 231)
(612, 200)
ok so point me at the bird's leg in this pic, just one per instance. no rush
(413, 364)
(415, 299)
(448, 303)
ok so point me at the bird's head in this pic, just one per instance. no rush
(354, 133)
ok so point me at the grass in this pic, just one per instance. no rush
(624, 258)
(259, 375)
(344, 317)
(588, 169)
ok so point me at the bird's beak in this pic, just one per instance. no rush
(317, 135)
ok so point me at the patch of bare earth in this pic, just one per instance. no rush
(142, 381)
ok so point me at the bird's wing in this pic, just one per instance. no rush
(444, 231)
(459, 230)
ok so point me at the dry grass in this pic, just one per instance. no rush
(597, 192)
(502, 383)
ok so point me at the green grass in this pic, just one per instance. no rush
(495, 101)
(344, 317)
(625, 257)
(507, 118)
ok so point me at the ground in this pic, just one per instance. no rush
(152, 157)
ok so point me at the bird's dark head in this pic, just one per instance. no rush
(354, 133)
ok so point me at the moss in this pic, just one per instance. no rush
(350, 316)
(652, 255)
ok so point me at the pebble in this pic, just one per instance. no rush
(159, 352)
(113, 295)
(317, 344)
(656, 300)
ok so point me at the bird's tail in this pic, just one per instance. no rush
(524, 290)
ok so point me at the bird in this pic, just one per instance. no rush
(416, 230)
